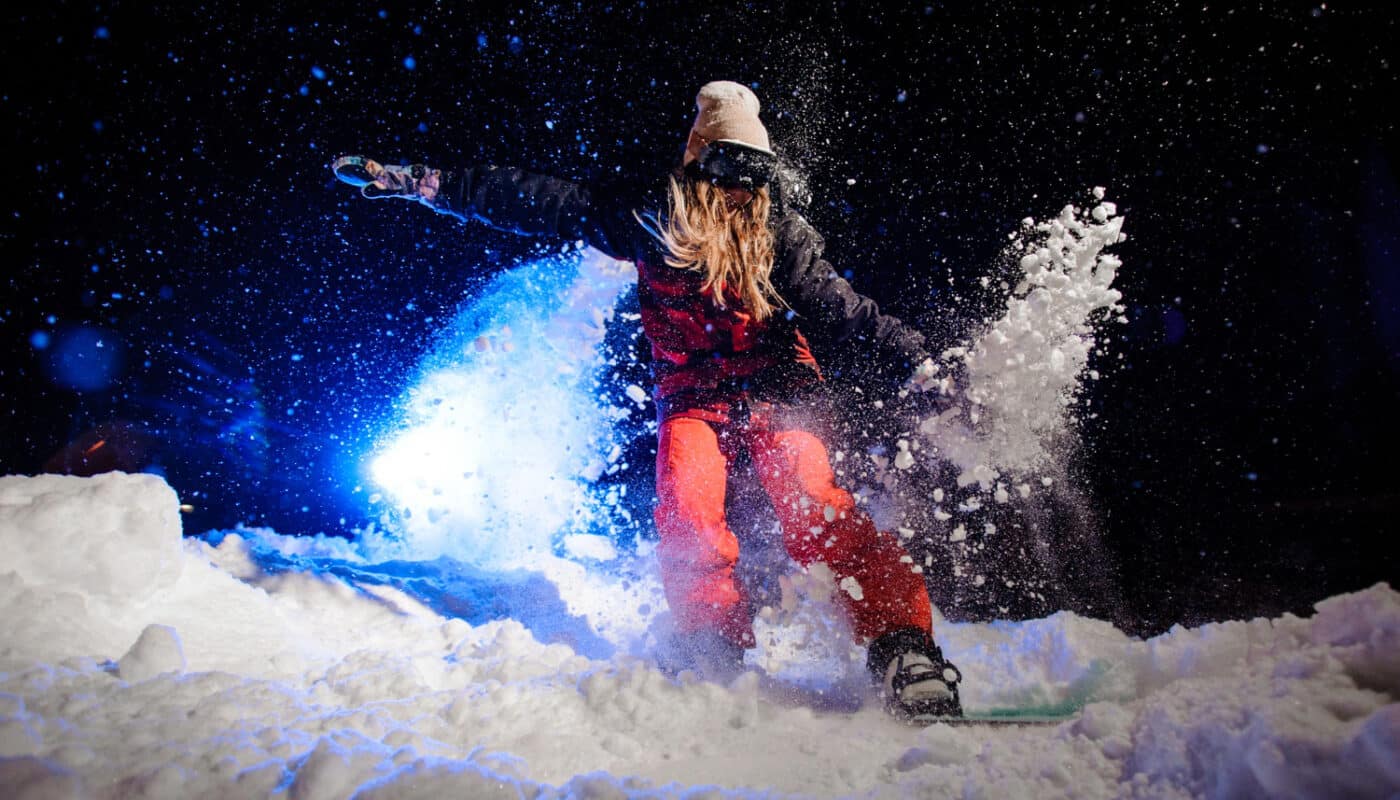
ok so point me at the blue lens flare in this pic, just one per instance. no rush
(84, 358)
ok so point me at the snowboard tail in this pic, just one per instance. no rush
(1000, 717)
(1067, 710)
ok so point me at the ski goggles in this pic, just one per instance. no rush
(731, 163)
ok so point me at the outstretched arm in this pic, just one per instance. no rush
(508, 199)
(831, 311)
(527, 203)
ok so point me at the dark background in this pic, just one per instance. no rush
(184, 282)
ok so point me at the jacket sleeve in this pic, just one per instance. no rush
(830, 311)
(517, 201)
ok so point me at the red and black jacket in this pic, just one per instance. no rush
(702, 350)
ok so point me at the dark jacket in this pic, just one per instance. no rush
(825, 309)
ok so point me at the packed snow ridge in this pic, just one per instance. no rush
(135, 663)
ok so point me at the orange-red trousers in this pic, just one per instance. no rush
(819, 521)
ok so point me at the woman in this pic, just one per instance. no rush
(731, 284)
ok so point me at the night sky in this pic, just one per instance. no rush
(182, 276)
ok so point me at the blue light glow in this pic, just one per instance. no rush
(503, 432)
(85, 359)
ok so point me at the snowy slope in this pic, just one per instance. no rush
(135, 664)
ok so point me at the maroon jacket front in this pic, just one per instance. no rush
(706, 349)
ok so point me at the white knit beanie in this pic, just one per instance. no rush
(729, 110)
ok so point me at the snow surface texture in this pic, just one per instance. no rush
(133, 664)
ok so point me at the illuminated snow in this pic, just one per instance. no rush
(503, 431)
(471, 646)
(244, 670)
(1015, 381)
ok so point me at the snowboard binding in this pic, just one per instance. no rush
(919, 685)
(922, 691)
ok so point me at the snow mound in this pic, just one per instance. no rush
(156, 652)
(232, 675)
(115, 535)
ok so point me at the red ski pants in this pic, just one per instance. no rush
(819, 521)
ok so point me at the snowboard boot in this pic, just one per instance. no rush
(918, 685)
(376, 181)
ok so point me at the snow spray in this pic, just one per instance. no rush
(503, 440)
(977, 490)
(502, 433)
(1021, 375)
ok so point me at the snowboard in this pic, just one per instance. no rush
(1081, 693)
(999, 717)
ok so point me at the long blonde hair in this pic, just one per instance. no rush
(731, 245)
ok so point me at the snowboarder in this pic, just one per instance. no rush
(731, 283)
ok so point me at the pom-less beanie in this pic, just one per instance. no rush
(729, 110)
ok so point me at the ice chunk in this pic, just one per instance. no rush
(637, 395)
(903, 459)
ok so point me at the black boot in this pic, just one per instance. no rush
(918, 684)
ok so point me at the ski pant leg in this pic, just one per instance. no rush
(697, 551)
(820, 522)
